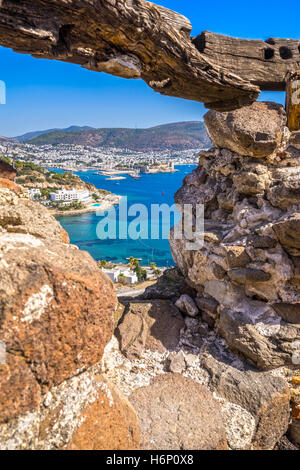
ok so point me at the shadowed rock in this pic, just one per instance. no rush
(153, 325)
(265, 396)
(7, 171)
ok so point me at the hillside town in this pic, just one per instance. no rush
(107, 160)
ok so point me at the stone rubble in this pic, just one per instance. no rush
(255, 406)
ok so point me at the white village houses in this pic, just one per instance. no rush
(34, 192)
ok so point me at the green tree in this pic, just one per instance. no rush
(138, 271)
(95, 197)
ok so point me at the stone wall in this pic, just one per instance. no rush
(247, 272)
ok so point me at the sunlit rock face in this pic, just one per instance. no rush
(56, 317)
(247, 272)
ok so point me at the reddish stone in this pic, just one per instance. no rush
(9, 184)
(109, 423)
(153, 325)
(19, 390)
(56, 307)
(64, 236)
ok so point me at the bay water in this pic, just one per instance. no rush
(150, 189)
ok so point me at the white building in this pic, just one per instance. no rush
(113, 274)
(71, 195)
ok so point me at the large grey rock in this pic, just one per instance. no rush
(253, 340)
(264, 395)
(177, 413)
(187, 306)
(256, 130)
(287, 232)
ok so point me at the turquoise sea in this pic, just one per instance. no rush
(149, 189)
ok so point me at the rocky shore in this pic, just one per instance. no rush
(215, 339)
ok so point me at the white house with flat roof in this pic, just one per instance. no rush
(114, 274)
(71, 195)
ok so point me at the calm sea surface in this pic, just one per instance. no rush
(149, 189)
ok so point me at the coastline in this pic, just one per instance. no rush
(105, 206)
(116, 175)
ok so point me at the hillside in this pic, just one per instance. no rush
(34, 134)
(32, 176)
(176, 136)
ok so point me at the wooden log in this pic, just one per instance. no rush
(127, 38)
(293, 100)
(137, 39)
(263, 63)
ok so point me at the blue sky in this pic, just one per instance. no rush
(42, 94)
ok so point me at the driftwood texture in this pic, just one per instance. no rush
(134, 39)
(293, 100)
(263, 63)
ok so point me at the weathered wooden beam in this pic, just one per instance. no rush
(137, 39)
(128, 38)
(293, 100)
(263, 63)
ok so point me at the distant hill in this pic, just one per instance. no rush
(34, 134)
(9, 140)
(176, 136)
